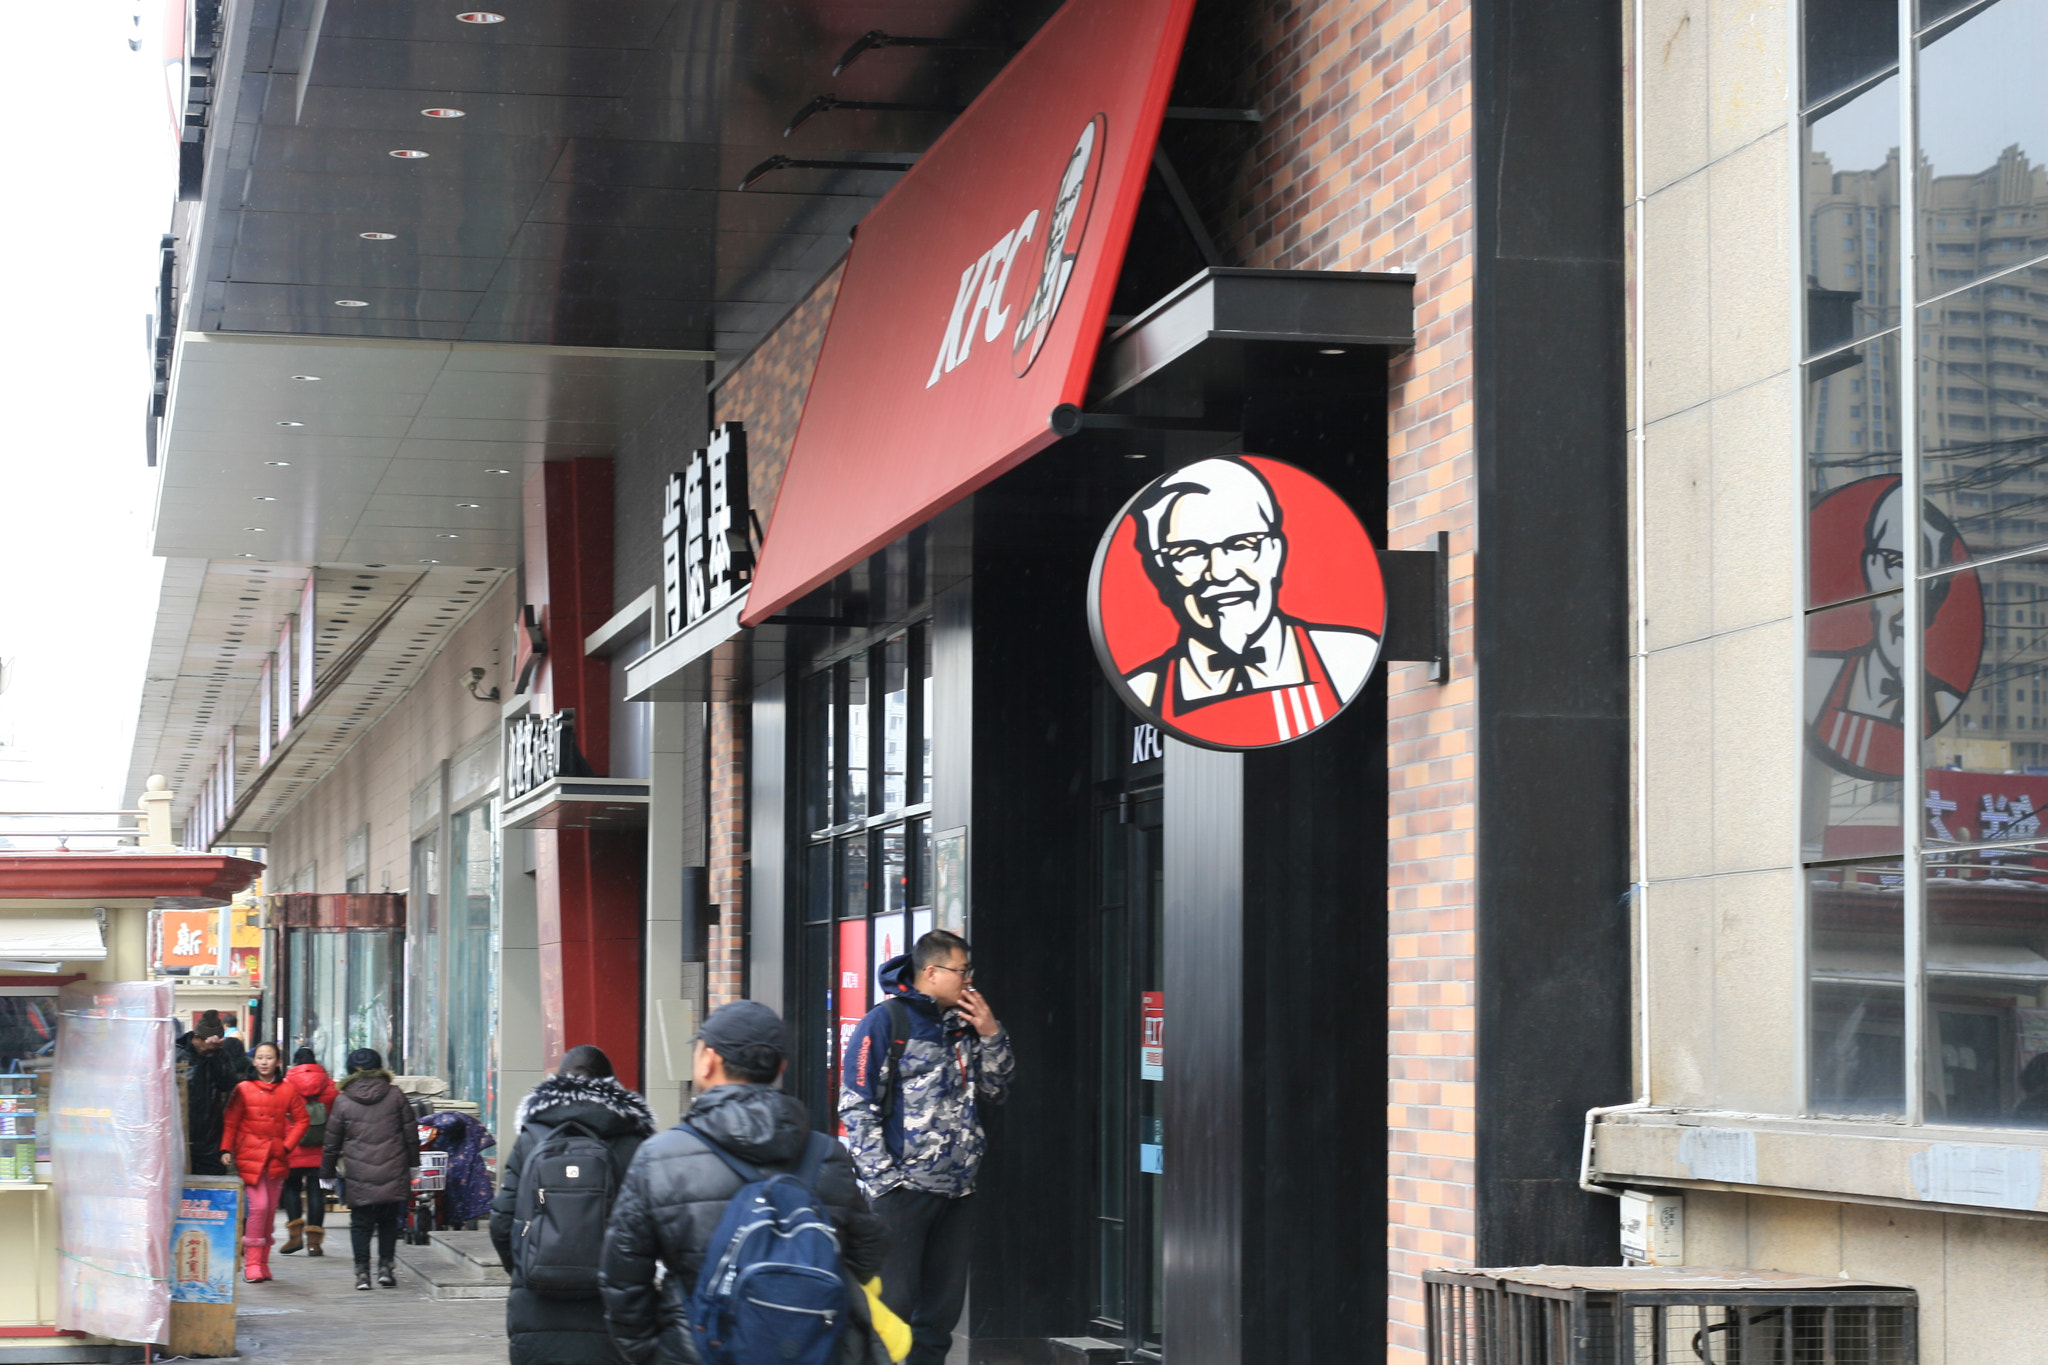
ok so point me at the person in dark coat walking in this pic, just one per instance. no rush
(676, 1192)
(209, 1085)
(553, 1329)
(374, 1141)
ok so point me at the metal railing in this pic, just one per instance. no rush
(151, 830)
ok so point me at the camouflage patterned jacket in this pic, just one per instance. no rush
(932, 1138)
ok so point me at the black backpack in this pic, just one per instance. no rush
(889, 1076)
(566, 1189)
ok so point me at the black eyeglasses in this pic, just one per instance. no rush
(966, 973)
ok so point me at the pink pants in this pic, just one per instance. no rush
(259, 1230)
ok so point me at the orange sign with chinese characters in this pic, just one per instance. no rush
(188, 938)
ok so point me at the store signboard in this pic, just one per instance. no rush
(1152, 1037)
(187, 938)
(539, 749)
(706, 530)
(1237, 603)
(976, 293)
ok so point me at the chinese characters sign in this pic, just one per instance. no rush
(706, 531)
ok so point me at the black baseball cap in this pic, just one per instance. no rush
(736, 1029)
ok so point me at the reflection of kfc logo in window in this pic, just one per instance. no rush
(1856, 654)
(1069, 220)
(1237, 603)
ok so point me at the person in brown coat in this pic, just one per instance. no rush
(373, 1138)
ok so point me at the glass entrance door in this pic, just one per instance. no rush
(1131, 1150)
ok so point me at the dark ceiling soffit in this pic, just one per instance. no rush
(1221, 308)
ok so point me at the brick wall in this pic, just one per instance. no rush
(1364, 162)
(766, 390)
(728, 852)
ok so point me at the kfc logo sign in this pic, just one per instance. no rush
(980, 305)
(1856, 654)
(1237, 603)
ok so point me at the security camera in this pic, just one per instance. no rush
(475, 676)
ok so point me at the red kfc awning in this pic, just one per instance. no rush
(975, 294)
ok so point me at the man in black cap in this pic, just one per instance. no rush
(210, 1081)
(677, 1188)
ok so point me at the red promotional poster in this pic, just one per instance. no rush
(1237, 603)
(1855, 654)
(976, 293)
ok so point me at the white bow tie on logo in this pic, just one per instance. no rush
(992, 274)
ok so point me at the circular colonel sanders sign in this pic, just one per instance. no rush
(1072, 202)
(1237, 603)
(1856, 654)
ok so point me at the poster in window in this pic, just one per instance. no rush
(1152, 1037)
(888, 943)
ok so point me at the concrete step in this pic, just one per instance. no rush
(457, 1265)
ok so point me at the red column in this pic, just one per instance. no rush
(588, 884)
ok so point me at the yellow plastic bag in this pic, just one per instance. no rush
(894, 1331)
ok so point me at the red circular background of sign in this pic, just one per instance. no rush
(1834, 538)
(1332, 577)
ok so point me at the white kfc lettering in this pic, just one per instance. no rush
(985, 283)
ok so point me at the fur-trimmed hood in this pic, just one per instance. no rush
(605, 1106)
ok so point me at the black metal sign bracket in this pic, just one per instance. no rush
(1419, 606)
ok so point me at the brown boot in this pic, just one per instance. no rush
(315, 1235)
(297, 1228)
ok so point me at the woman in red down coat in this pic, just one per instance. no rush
(265, 1120)
(305, 1203)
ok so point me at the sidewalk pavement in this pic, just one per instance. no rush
(313, 1314)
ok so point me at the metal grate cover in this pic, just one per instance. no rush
(1658, 1315)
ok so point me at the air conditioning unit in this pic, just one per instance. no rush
(1665, 1315)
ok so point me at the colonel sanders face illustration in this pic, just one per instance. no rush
(1856, 695)
(1064, 226)
(1212, 542)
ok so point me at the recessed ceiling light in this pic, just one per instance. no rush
(448, 535)
(378, 236)
(470, 505)
(252, 528)
(497, 471)
(246, 554)
(278, 464)
(410, 154)
(430, 561)
(291, 424)
(307, 378)
(1333, 350)
(351, 303)
(480, 16)
(443, 113)
(261, 498)
(1134, 455)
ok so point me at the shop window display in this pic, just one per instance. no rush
(1926, 332)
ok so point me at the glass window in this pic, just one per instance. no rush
(471, 984)
(1850, 394)
(1856, 959)
(895, 735)
(1986, 1059)
(423, 953)
(1984, 413)
(1848, 42)
(1855, 731)
(1983, 127)
(866, 747)
(1852, 171)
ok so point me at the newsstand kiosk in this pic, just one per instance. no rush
(92, 1138)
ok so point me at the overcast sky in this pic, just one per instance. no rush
(93, 168)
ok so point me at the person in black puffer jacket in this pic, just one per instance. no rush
(676, 1192)
(553, 1329)
(373, 1142)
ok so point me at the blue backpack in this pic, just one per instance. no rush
(772, 1288)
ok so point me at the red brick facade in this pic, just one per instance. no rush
(1365, 163)
(728, 837)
